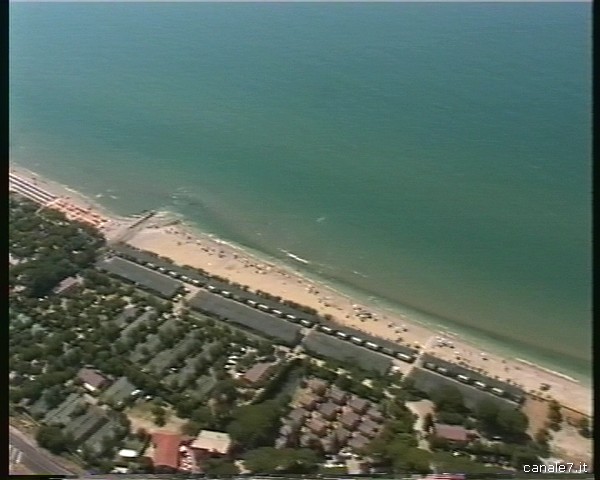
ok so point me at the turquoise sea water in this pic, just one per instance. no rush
(434, 156)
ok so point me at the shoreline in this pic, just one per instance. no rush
(386, 308)
(169, 235)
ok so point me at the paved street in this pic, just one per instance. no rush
(23, 451)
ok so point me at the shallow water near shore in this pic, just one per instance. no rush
(437, 164)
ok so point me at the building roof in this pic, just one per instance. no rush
(62, 413)
(454, 433)
(166, 449)
(67, 284)
(368, 427)
(375, 414)
(84, 426)
(92, 377)
(119, 391)
(106, 431)
(328, 346)
(358, 442)
(454, 369)
(342, 434)
(337, 394)
(265, 323)
(317, 385)
(316, 425)
(358, 403)
(297, 415)
(258, 373)
(155, 281)
(307, 399)
(216, 442)
(349, 419)
(328, 409)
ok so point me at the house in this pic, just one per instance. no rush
(329, 444)
(342, 435)
(258, 374)
(358, 404)
(297, 416)
(92, 379)
(337, 396)
(375, 414)
(317, 386)
(308, 400)
(166, 451)
(452, 433)
(358, 442)
(211, 444)
(107, 432)
(368, 428)
(119, 391)
(317, 426)
(84, 426)
(350, 420)
(328, 410)
(68, 286)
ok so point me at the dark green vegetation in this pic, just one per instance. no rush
(499, 438)
(48, 247)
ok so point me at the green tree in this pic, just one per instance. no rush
(449, 399)
(512, 422)
(255, 425)
(554, 415)
(487, 413)
(53, 439)
(191, 428)
(220, 467)
(427, 422)
(584, 428)
(285, 460)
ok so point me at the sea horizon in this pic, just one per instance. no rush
(389, 197)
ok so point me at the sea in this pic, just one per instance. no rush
(431, 158)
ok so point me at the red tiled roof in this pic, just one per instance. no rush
(453, 433)
(166, 449)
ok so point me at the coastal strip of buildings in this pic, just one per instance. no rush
(293, 326)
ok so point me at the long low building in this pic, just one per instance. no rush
(141, 276)
(385, 346)
(241, 314)
(324, 345)
(430, 381)
(471, 377)
(147, 258)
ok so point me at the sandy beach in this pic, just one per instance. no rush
(166, 237)
(74, 204)
(187, 247)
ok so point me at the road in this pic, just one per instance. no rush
(31, 456)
